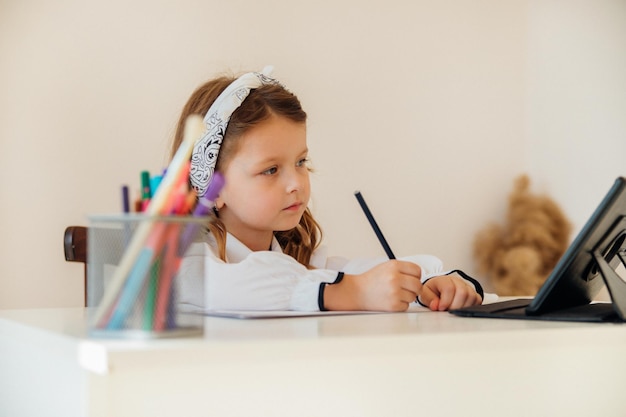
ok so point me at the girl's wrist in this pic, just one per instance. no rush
(337, 295)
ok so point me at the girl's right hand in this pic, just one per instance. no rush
(390, 286)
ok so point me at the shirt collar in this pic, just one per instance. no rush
(237, 251)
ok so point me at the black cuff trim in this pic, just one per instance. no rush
(320, 294)
(320, 297)
(479, 288)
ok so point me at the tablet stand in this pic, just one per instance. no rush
(614, 250)
(614, 284)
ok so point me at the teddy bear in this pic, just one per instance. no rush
(518, 256)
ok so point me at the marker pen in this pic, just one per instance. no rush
(125, 199)
(204, 207)
(146, 194)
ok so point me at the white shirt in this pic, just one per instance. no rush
(267, 280)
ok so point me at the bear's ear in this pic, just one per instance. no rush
(521, 184)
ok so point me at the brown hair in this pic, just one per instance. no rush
(261, 103)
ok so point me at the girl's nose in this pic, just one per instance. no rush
(295, 180)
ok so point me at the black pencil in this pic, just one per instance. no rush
(374, 225)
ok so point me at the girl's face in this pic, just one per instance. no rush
(267, 182)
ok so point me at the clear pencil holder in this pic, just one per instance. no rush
(133, 262)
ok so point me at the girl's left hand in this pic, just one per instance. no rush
(448, 292)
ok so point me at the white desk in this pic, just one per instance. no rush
(430, 364)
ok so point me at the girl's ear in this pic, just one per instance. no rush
(219, 203)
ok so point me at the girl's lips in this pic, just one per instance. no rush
(294, 207)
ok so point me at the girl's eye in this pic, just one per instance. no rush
(303, 162)
(270, 171)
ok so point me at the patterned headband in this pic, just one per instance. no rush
(206, 149)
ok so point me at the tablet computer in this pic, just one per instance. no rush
(596, 258)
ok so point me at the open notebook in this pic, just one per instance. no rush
(597, 257)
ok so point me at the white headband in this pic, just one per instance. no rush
(206, 149)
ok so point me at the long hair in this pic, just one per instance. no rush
(261, 103)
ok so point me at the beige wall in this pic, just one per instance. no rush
(430, 108)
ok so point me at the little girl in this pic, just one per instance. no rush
(262, 247)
